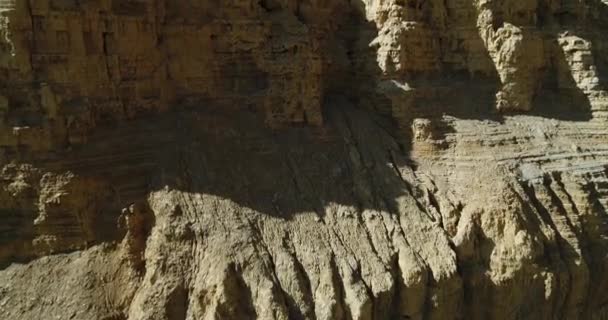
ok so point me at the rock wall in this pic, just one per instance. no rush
(283, 159)
(69, 65)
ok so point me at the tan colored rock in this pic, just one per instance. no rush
(284, 159)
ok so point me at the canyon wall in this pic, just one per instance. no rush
(303, 159)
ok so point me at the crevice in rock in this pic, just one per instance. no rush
(307, 287)
(545, 215)
(286, 300)
(575, 250)
(177, 304)
(338, 283)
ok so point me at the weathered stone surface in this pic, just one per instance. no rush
(284, 159)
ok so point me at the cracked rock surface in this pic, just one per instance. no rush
(283, 159)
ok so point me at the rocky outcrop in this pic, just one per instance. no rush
(283, 159)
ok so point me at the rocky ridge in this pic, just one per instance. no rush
(303, 159)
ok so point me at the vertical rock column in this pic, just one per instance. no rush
(516, 48)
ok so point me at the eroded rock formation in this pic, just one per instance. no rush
(283, 159)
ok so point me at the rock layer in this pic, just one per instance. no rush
(303, 159)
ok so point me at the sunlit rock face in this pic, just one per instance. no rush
(283, 159)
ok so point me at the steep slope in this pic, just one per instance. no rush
(303, 159)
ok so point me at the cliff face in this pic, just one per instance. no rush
(283, 159)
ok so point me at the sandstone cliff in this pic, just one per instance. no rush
(303, 159)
